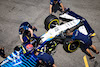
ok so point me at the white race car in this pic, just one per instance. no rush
(56, 32)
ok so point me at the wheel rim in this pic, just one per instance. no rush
(54, 44)
(52, 25)
(53, 22)
(73, 47)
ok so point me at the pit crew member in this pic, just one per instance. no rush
(76, 35)
(55, 5)
(26, 29)
(45, 58)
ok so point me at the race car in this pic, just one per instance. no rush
(47, 42)
(57, 31)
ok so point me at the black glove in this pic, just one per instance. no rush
(35, 29)
(67, 10)
(32, 38)
(62, 13)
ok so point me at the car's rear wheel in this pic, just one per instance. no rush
(50, 22)
(71, 47)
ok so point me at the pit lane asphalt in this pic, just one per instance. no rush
(14, 12)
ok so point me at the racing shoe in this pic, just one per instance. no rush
(92, 58)
(98, 53)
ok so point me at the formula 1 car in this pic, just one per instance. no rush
(47, 42)
(57, 31)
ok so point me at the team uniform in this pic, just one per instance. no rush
(52, 2)
(55, 6)
(46, 58)
(84, 38)
(25, 26)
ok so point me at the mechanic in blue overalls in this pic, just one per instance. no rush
(77, 35)
(55, 5)
(26, 29)
(45, 58)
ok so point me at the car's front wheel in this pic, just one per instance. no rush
(51, 21)
(71, 47)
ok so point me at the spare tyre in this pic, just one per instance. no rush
(51, 21)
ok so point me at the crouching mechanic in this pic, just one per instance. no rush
(76, 35)
(55, 5)
(26, 29)
(45, 58)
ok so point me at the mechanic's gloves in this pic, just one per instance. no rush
(66, 10)
(62, 13)
(35, 29)
(50, 14)
(32, 38)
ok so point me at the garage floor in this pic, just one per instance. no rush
(14, 12)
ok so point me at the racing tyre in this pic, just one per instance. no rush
(71, 47)
(52, 45)
(50, 22)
